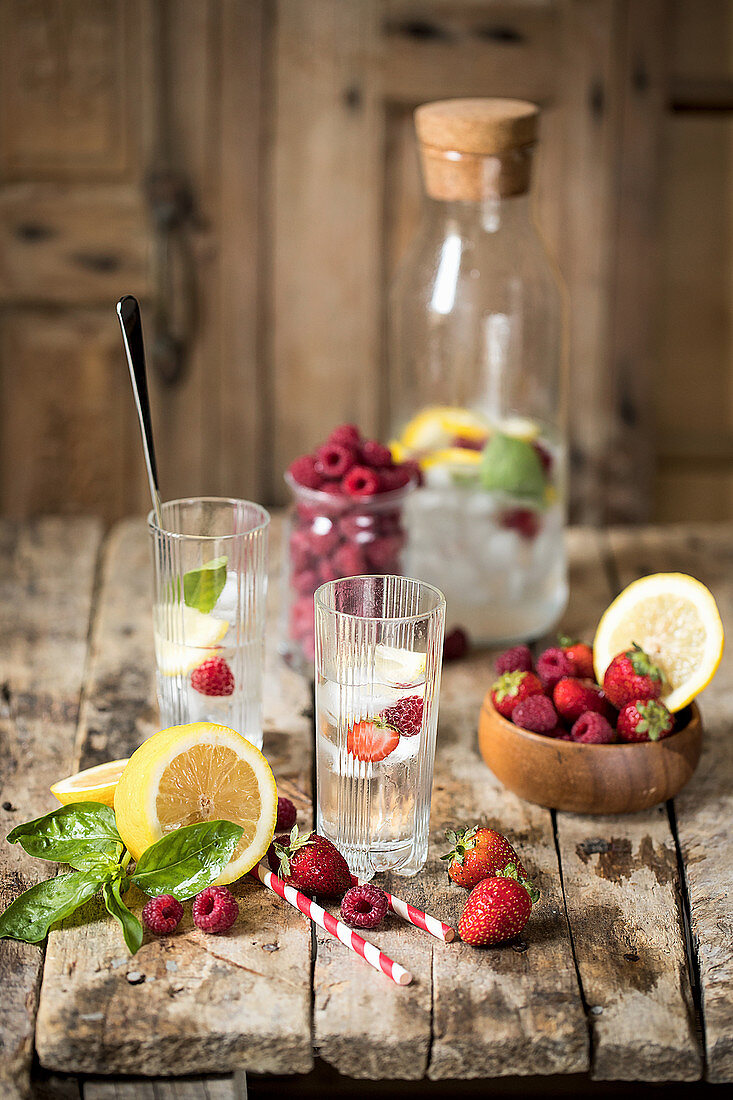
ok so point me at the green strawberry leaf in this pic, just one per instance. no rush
(186, 861)
(512, 466)
(83, 834)
(30, 916)
(202, 587)
(132, 930)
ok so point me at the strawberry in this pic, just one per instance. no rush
(573, 697)
(497, 909)
(644, 720)
(512, 688)
(213, 677)
(632, 675)
(580, 656)
(478, 853)
(372, 739)
(311, 863)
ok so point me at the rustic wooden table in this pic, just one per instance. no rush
(626, 969)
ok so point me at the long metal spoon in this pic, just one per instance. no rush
(131, 324)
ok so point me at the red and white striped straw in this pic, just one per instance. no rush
(337, 928)
(416, 916)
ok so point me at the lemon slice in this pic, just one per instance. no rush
(436, 427)
(398, 667)
(92, 785)
(452, 456)
(198, 772)
(674, 619)
(199, 635)
(520, 427)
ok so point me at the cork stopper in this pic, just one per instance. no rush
(472, 149)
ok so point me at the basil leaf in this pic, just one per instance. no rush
(186, 861)
(512, 466)
(80, 834)
(31, 915)
(202, 587)
(132, 930)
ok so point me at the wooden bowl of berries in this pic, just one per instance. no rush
(589, 729)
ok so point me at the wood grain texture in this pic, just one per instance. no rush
(47, 575)
(241, 1000)
(509, 1010)
(704, 808)
(232, 1087)
(623, 901)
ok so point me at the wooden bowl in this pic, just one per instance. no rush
(595, 779)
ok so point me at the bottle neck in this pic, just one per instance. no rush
(493, 214)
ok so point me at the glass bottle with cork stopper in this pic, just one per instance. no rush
(477, 377)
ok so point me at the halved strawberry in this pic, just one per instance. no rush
(372, 740)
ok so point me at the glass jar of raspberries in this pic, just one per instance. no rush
(346, 520)
(477, 377)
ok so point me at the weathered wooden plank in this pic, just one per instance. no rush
(511, 1010)
(191, 1003)
(47, 573)
(704, 808)
(232, 1087)
(622, 896)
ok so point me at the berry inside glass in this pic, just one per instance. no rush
(379, 643)
(346, 521)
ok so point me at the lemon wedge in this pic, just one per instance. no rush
(197, 636)
(96, 784)
(192, 773)
(437, 426)
(674, 618)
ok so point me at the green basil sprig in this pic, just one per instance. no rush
(84, 835)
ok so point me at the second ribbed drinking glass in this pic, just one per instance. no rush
(210, 571)
(379, 642)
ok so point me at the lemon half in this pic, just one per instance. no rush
(674, 618)
(437, 426)
(96, 784)
(192, 773)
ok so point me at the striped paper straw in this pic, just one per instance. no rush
(416, 916)
(337, 928)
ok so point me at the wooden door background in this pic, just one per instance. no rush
(247, 168)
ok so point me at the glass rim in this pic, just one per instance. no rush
(262, 525)
(380, 618)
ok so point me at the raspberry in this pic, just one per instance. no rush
(392, 479)
(523, 520)
(516, 659)
(552, 666)
(215, 909)
(333, 460)
(213, 677)
(405, 715)
(300, 551)
(306, 582)
(287, 815)
(327, 571)
(321, 537)
(592, 729)
(304, 471)
(413, 469)
(465, 443)
(360, 482)
(162, 915)
(384, 553)
(348, 434)
(354, 524)
(350, 561)
(535, 714)
(455, 645)
(375, 454)
(364, 906)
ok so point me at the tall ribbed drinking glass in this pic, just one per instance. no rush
(379, 643)
(210, 568)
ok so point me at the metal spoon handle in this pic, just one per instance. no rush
(128, 312)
